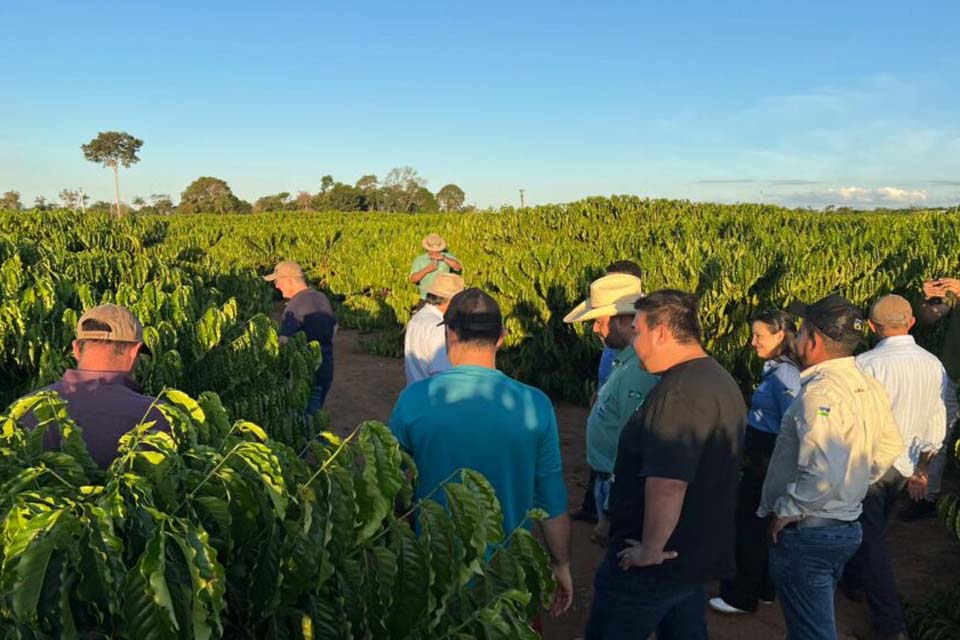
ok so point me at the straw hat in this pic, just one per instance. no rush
(446, 285)
(611, 295)
(434, 242)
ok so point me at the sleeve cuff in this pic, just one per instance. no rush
(551, 494)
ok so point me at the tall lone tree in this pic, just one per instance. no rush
(111, 149)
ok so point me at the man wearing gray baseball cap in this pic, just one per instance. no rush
(101, 394)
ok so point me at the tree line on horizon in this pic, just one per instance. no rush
(402, 190)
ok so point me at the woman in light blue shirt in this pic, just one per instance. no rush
(774, 334)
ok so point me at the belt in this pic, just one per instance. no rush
(815, 521)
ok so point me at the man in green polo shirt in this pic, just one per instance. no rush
(610, 307)
(436, 260)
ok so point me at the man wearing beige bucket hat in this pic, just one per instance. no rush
(610, 306)
(435, 261)
(101, 395)
(425, 345)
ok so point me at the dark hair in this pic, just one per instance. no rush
(119, 347)
(676, 309)
(778, 320)
(434, 299)
(625, 266)
(475, 318)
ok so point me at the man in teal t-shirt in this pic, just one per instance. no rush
(436, 260)
(610, 307)
(473, 416)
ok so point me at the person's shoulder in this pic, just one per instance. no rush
(786, 372)
(537, 396)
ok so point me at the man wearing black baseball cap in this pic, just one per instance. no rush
(472, 416)
(837, 438)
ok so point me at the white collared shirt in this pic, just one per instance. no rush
(425, 345)
(838, 437)
(922, 395)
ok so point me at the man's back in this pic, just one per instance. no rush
(424, 345)
(310, 311)
(106, 405)
(478, 418)
(919, 392)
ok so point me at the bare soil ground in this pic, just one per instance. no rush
(925, 558)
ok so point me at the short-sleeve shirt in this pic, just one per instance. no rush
(106, 405)
(425, 345)
(479, 418)
(617, 400)
(310, 311)
(690, 428)
(422, 261)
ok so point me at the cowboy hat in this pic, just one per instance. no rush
(611, 295)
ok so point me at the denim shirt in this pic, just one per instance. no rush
(779, 386)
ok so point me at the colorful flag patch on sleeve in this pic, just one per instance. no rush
(823, 412)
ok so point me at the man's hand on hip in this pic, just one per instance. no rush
(638, 555)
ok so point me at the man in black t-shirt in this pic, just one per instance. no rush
(673, 501)
(307, 310)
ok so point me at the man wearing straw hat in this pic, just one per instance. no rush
(435, 261)
(611, 308)
(425, 342)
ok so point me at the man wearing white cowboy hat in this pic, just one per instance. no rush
(610, 307)
(425, 343)
(435, 261)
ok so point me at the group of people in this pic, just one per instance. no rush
(783, 497)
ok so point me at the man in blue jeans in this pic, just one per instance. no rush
(673, 499)
(837, 437)
(307, 310)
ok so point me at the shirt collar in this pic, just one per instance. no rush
(894, 340)
(837, 364)
(626, 355)
(80, 376)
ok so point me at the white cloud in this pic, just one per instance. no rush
(880, 195)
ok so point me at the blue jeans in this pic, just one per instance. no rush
(806, 564)
(601, 493)
(632, 604)
(321, 387)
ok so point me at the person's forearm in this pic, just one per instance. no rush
(924, 461)
(415, 278)
(661, 512)
(453, 263)
(556, 533)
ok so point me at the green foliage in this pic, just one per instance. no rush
(450, 197)
(210, 195)
(217, 531)
(113, 148)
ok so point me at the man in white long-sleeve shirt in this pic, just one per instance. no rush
(923, 399)
(837, 437)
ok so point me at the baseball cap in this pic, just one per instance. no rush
(285, 269)
(113, 323)
(891, 311)
(474, 314)
(835, 316)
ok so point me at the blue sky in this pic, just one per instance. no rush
(809, 103)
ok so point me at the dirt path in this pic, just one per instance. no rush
(925, 559)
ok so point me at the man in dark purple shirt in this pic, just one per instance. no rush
(101, 395)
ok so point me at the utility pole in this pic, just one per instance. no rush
(83, 206)
(522, 205)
